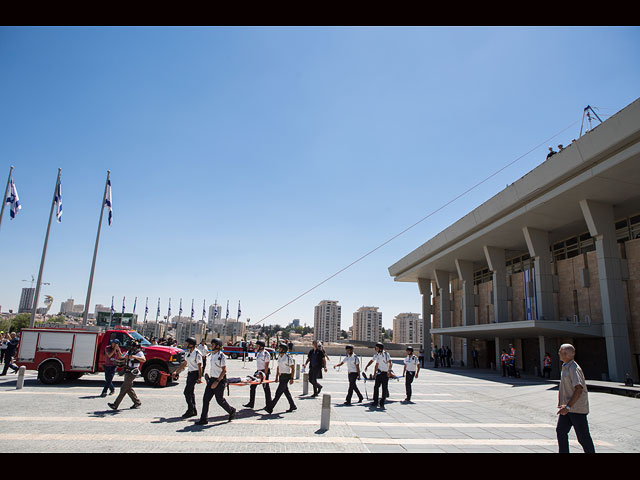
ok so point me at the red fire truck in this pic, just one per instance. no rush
(67, 353)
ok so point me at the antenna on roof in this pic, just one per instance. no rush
(587, 113)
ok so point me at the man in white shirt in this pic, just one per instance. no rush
(411, 369)
(262, 364)
(353, 371)
(284, 375)
(194, 365)
(204, 350)
(135, 358)
(382, 371)
(216, 383)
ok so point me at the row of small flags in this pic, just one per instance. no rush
(216, 313)
(13, 201)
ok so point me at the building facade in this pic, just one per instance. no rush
(326, 321)
(26, 300)
(367, 324)
(553, 258)
(408, 328)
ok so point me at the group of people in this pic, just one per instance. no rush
(508, 362)
(8, 351)
(442, 356)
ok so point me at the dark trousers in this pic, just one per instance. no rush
(408, 380)
(267, 392)
(190, 391)
(109, 373)
(579, 423)
(436, 361)
(381, 381)
(504, 369)
(127, 389)
(218, 392)
(283, 389)
(448, 361)
(421, 362)
(8, 364)
(546, 372)
(314, 374)
(476, 364)
(3, 351)
(353, 376)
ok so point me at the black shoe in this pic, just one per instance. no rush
(347, 403)
(268, 410)
(248, 405)
(291, 409)
(360, 400)
(201, 422)
(319, 390)
(373, 404)
(112, 406)
(189, 413)
(232, 415)
(135, 405)
(112, 392)
(103, 394)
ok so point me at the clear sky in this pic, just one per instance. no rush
(252, 163)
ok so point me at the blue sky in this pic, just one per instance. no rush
(252, 163)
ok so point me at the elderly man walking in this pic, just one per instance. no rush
(573, 403)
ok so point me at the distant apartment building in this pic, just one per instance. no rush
(326, 321)
(188, 328)
(66, 308)
(230, 329)
(101, 308)
(408, 328)
(367, 324)
(213, 318)
(77, 309)
(26, 300)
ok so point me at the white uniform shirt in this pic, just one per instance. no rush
(218, 361)
(351, 362)
(262, 359)
(193, 360)
(135, 363)
(384, 361)
(285, 363)
(204, 350)
(411, 363)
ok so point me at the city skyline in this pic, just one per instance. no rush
(253, 163)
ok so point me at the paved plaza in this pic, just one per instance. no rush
(452, 410)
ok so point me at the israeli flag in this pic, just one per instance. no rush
(215, 311)
(239, 312)
(169, 313)
(227, 309)
(58, 202)
(107, 201)
(192, 311)
(146, 307)
(123, 304)
(204, 310)
(158, 312)
(13, 200)
(135, 302)
(112, 310)
(180, 313)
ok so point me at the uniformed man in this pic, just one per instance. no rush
(262, 364)
(411, 369)
(353, 371)
(216, 383)
(193, 362)
(204, 350)
(134, 358)
(503, 362)
(546, 372)
(382, 371)
(284, 375)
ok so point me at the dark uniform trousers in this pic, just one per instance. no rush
(381, 381)
(353, 376)
(189, 390)
(408, 380)
(267, 391)
(127, 389)
(283, 388)
(579, 423)
(314, 374)
(218, 392)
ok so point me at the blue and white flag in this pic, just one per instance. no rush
(158, 311)
(180, 312)
(215, 311)
(227, 309)
(123, 304)
(204, 310)
(192, 311)
(13, 200)
(146, 308)
(239, 312)
(134, 304)
(107, 201)
(169, 314)
(112, 310)
(58, 201)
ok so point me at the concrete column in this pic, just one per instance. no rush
(424, 284)
(538, 245)
(465, 273)
(442, 280)
(600, 221)
(497, 264)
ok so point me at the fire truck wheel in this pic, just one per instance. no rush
(234, 356)
(152, 374)
(50, 373)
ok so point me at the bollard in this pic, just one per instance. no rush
(326, 412)
(305, 384)
(298, 371)
(20, 382)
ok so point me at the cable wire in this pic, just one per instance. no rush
(417, 223)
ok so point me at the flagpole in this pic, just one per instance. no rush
(6, 192)
(44, 254)
(85, 317)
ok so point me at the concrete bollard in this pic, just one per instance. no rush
(305, 384)
(326, 412)
(20, 382)
(297, 371)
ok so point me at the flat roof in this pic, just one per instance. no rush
(602, 165)
(524, 329)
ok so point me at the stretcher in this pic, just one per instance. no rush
(243, 383)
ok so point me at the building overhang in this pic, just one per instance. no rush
(524, 329)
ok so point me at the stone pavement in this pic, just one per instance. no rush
(452, 410)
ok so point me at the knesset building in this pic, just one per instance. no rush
(553, 258)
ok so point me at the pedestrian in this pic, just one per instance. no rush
(546, 371)
(3, 346)
(317, 362)
(436, 356)
(442, 355)
(12, 347)
(216, 383)
(551, 153)
(448, 354)
(512, 361)
(421, 356)
(474, 354)
(284, 377)
(411, 370)
(573, 403)
(204, 351)
(112, 354)
(382, 370)
(134, 358)
(503, 362)
(262, 365)
(193, 362)
(353, 373)
(290, 345)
